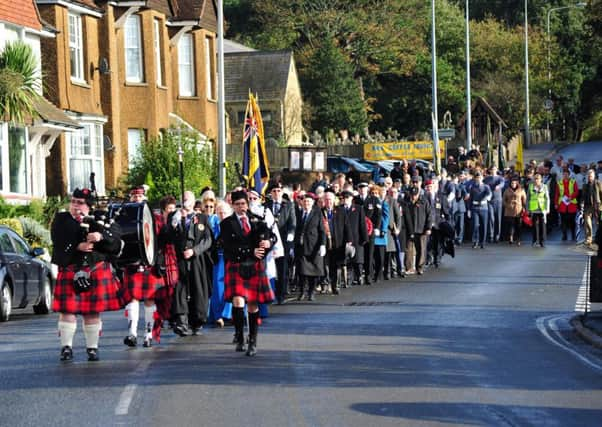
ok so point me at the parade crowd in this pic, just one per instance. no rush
(222, 261)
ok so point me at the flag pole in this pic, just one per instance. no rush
(221, 110)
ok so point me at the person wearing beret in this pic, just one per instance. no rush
(310, 247)
(85, 283)
(141, 282)
(246, 242)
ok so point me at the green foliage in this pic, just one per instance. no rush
(34, 232)
(158, 166)
(53, 205)
(19, 82)
(13, 223)
(333, 92)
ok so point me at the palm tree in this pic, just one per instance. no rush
(19, 83)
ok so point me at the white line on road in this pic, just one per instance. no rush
(123, 406)
(546, 324)
(582, 303)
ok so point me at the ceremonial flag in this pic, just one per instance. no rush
(520, 164)
(255, 165)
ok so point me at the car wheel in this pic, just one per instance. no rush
(6, 300)
(45, 302)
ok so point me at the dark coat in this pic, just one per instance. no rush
(372, 209)
(419, 216)
(309, 236)
(440, 210)
(351, 227)
(196, 272)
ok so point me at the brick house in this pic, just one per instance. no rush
(25, 146)
(126, 71)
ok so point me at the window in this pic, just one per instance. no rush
(209, 67)
(76, 48)
(158, 62)
(85, 156)
(186, 65)
(135, 137)
(21, 247)
(6, 245)
(134, 70)
(17, 159)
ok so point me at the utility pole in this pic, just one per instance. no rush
(468, 97)
(435, 119)
(221, 109)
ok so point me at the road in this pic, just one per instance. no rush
(484, 340)
(584, 152)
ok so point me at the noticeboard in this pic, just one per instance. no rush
(402, 150)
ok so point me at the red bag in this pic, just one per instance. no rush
(369, 226)
(526, 218)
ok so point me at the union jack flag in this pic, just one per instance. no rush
(255, 165)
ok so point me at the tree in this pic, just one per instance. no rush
(157, 165)
(333, 92)
(19, 82)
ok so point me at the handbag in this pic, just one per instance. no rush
(526, 218)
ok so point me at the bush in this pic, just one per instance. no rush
(34, 232)
(52, 206)
(157, 165)
(13, 223)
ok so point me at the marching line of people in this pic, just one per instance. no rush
(223, 261)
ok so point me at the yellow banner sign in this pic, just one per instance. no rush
(402, 150)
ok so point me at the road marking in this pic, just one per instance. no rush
(549, 324)
(123, 406)
(582, 304)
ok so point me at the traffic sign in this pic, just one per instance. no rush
(548, 104)
(447, 133)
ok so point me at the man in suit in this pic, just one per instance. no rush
(286, 219)
(419, 221)
(350, 223)
(372, 206)
(591, 204)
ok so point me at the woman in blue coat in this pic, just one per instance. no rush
(380, 238)
(219, 309)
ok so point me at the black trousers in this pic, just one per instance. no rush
(379, 260)
(369, 258)
(567, 222)
(514, 225)
(282, 275)
(539, 227)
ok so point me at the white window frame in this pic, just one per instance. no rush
(132, 39)
(209, 81)
(5, 161)
(186, 71)
(76, 58)
(135, 138)
(95, 156)
(157, 44)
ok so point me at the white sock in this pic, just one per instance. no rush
(133, 312)
(149, 320)
(66, 333)
(92, 332)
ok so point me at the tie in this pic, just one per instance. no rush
(276, 208)
(245, 225)
(304, 216)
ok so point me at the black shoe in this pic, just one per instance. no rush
(419, 271)
(335, 291)
(92, 354)
(197, 331)
(385, 277)
(542, 245)
(130, 341)
(180, 330)
(311, 297)
(300, 297)
(148, 342)
(482, 247)
(252, 350)
(240, 342)
(66, 354)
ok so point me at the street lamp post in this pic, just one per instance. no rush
(468, 97)
(434, 116)
(527, 126)
(221, 109)
(548, 39)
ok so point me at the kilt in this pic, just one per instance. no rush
(106, 295)
(257, 289)
(143, 284)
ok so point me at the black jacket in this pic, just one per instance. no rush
(237, 246)
(67, 233)
(419, 216)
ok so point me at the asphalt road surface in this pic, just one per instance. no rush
(583, 152)
(482, 341)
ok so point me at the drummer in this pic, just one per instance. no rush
(141, 282)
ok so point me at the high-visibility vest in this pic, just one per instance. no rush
(561, 191)
(537, 199)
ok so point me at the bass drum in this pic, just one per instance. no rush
(137, 232)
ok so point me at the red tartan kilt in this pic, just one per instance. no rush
(106, 294)
(257, 289)
(141, 285)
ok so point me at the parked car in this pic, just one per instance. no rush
(336, 164)
(24, 279)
